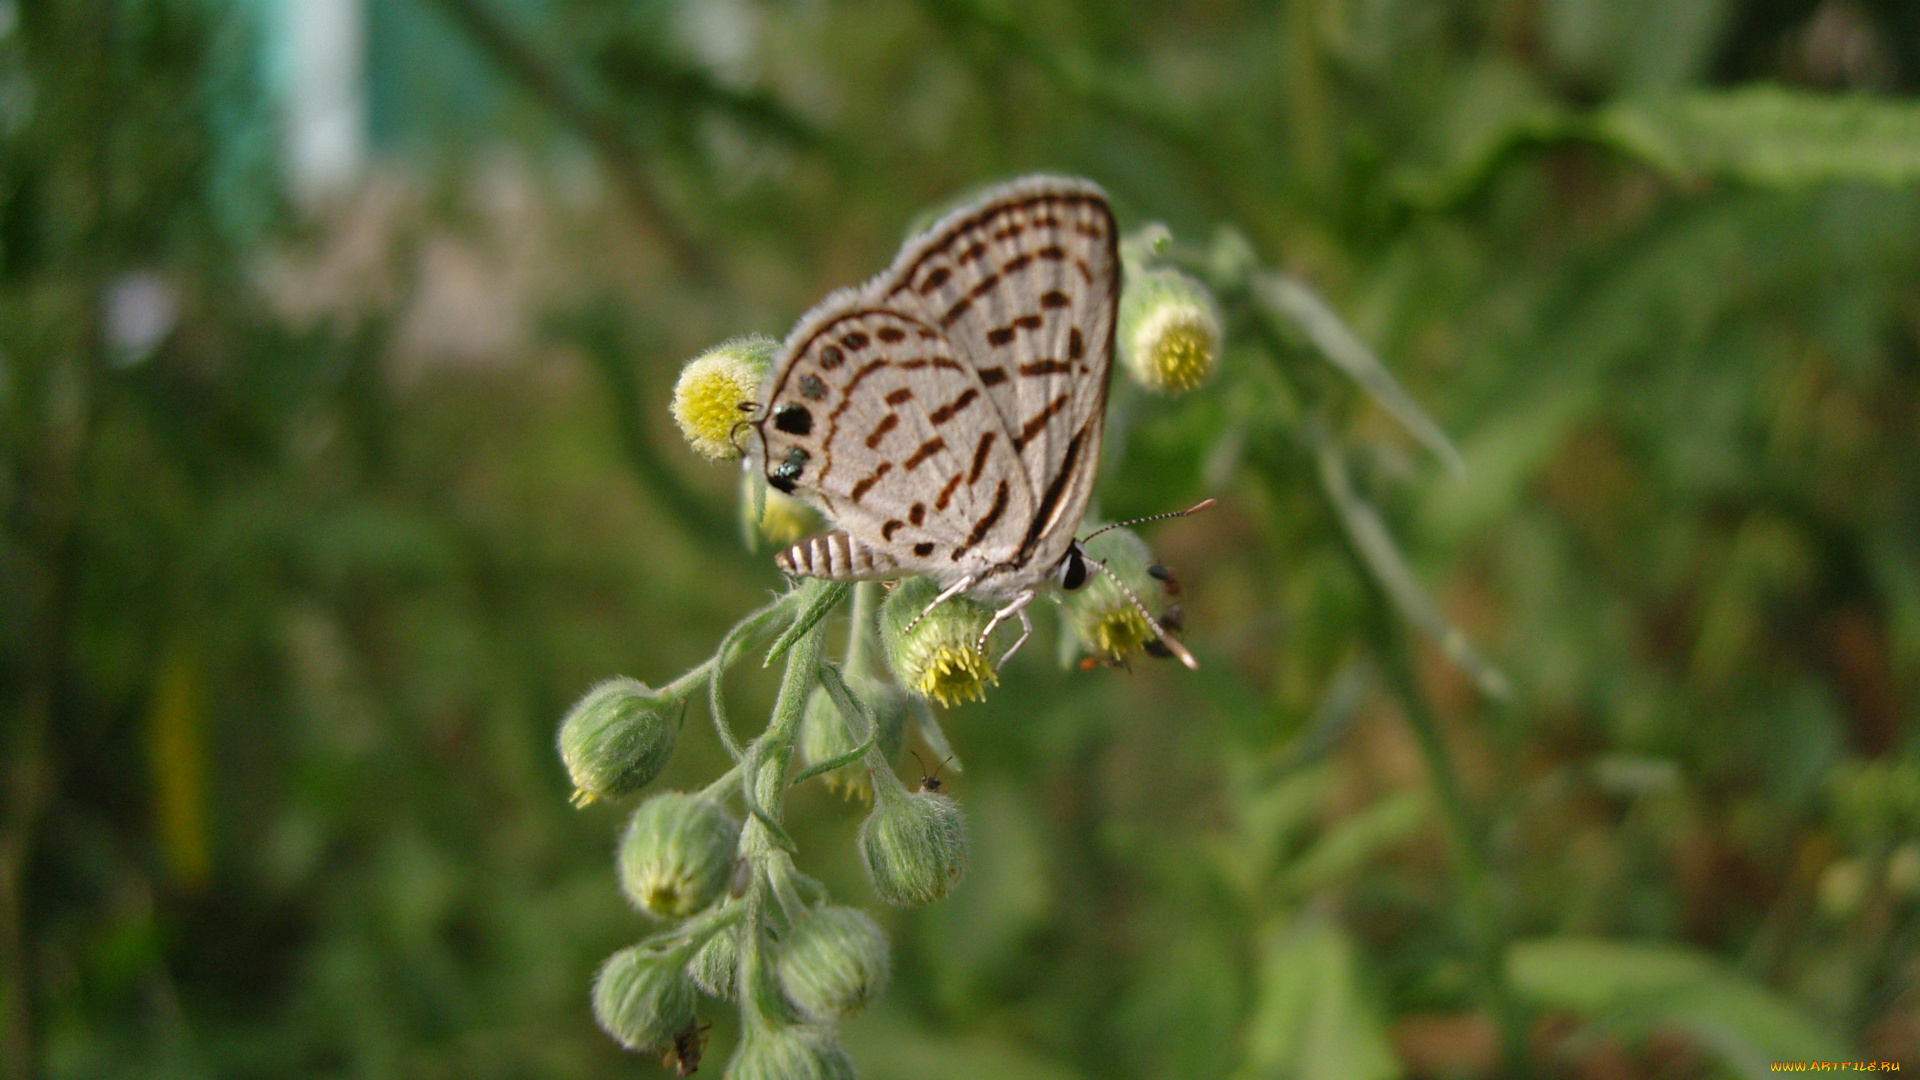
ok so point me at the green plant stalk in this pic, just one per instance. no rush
(1474, 880)
(1484, 925)
(763, 782)
(860, 629)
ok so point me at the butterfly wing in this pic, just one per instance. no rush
(948, 414)
(874, 417)
(1025, 283)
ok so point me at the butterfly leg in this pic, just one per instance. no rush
(1026, 631)
(946, 594)
(1017, 607)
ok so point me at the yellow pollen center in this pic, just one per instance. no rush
(953, 675)
(706, 404)
(1121, 631)
(1183, 354)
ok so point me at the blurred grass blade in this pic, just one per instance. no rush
(1357, 840)
(1382, 557)
(1634, 987)
(1291, 300)
(1310, 1020)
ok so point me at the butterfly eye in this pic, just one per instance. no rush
(1073, 570)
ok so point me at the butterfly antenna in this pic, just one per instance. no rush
(1159, 631)
(733, 433)
(1188, 512)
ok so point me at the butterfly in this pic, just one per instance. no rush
(947, 414)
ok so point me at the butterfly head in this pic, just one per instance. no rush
(1072, 571)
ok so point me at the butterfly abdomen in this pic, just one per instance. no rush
(836, 557)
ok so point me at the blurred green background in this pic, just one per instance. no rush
(335, 344)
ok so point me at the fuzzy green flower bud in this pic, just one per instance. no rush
(642, 997)
(788, 1052)
(825, 734)
(711, 389)
(1103, 618)
(678, 853)
(915, 846)
(616, 739)
(832, 962)
(716, 966)
(940, 657)
(1169, 334)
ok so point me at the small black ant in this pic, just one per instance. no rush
(929, 782)
(683, 1057)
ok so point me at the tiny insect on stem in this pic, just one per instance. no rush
(930, 781)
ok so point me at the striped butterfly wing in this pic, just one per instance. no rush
(874, 417)
(1026, 284)
(947, 415)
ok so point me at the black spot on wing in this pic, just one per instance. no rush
(793, 419)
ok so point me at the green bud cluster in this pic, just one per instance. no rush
(940, 656)
(832, 961)
(715, 967)
(825, 734)
(789, 1052)
(1104, 620)
(678, 854)
(1169, 331)
(642, 996)
(616, 739)
(914, 846)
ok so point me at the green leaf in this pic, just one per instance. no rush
(1292, 301)
(1377, 549)
(1764, 136)
(1310, 1020)
(1634, 987)
(1769, 136)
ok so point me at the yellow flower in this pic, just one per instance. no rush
(713, 386)
(1103, 617)
(1169, 331)
(940, 657)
